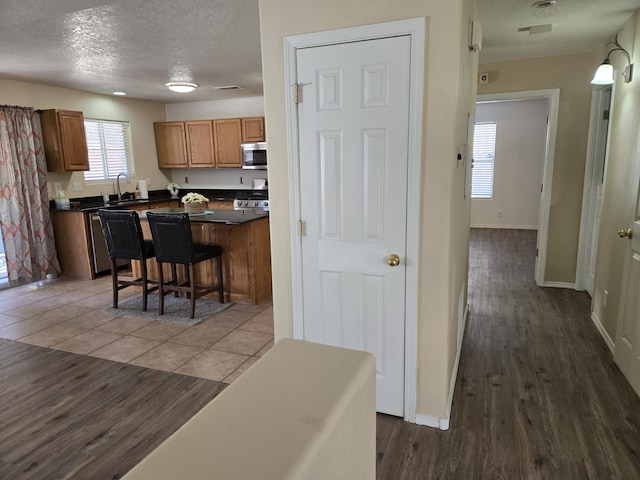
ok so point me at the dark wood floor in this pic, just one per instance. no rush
(67, 416)
(538, 395)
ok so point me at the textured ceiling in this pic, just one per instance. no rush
(134, 45)
(577, 26)
(139, 45)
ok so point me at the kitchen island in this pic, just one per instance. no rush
(246, 261)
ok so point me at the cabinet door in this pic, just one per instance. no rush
(253, 129)
(171, 145)
(73, 140)
(200, 144)
(227, 138)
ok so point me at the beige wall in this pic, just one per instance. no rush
(571, 74)
(141, 115)
(448, 96)
(618, 201)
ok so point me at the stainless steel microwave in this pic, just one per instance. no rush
(254, 156)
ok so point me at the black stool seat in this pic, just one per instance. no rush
(123, 235)
(173, 244)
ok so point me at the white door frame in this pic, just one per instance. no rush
(553, 95)
(588, 201)
(416, 29)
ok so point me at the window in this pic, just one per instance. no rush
(109, 149)
(484, 149)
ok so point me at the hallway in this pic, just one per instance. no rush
(538, 395)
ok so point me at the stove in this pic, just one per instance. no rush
(250, 199)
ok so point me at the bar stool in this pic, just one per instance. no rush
(123, 235)
(173, 243)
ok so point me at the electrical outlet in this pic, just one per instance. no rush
(499, 213)
(186, 179)
(241, 180)
(57, 187)
(77, 186)
(148, 182)
(605, 297)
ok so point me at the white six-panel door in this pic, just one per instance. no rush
(353, 137)
(627, 352)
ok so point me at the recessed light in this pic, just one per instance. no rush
(181, 87)
(544, 3)
(121, 94)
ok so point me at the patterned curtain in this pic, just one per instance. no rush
(24, 203)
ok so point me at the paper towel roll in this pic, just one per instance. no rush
(142, 186)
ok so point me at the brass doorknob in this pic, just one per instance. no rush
(625, 233)
(393, 260)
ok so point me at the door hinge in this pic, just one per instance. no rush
(541, 187)
(605, 115)
(296, 93)
(536, 252)
(302, 228)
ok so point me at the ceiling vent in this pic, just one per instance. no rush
(544, 4)
(533, 29)
(228, 87)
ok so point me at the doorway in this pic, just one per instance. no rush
(349, 164)
(553, 98)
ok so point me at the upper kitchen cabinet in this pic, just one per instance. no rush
(171, 144)
(227, 136)
(253, 129)
(200, 144)
(65, 143)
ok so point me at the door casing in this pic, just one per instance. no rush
(416, 29)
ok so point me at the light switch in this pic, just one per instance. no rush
(77, 186)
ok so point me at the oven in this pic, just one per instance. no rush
(251, 199)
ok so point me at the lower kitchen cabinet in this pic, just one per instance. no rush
(246, 260)
(73, 243)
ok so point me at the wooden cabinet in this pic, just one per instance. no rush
(227, 135)
(200, 151)
(73, 243)
(246, 261)
(64, 140)
(220, 205)
(253, 129)
(206, 143)
(171, 144)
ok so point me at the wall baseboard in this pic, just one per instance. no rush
(508, 227)
(442, 423)
(603, 333)
(571, 286)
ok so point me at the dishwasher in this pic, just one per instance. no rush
(101, 260)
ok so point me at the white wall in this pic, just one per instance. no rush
(521, 135)
(227, 178)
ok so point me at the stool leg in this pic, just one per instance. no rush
(160, 289)
(174, 272)
(114, 282)
(220, 284)
(192, 289)
(143, 268)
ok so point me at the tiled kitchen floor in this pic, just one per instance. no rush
(69, 315)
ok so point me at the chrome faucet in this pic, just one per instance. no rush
(118, 184)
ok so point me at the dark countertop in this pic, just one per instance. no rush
(229, 217)
(93, 204)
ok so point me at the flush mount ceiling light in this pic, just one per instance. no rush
(604, 74)
(544, 4)
(181, 87)
(120, 94)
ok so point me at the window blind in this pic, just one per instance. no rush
(484, 146)
(109, 149)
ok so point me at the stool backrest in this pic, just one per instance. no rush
(171, 234)
(123, 233)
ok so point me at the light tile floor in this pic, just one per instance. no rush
(67, 314)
